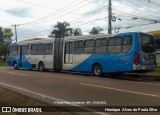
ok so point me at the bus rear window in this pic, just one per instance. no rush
(147, 43)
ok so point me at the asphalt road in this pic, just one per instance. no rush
(80, 89)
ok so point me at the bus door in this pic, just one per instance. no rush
(20, 55)
(58, 54)
(147, 44)
(68, 54)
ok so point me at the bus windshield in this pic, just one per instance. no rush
(147, 43)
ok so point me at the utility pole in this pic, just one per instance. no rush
(15, 31)
(109, 17)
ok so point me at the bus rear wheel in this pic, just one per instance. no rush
(15, 65)
(41, 66)
(97, 70)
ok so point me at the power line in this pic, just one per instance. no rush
(96, 19)
(136, 9)
(128, 14)
(88, 16)
(153, 3)
(32, 35)
(61, 15)
(54, 13)
(95, 2)
(37, 4)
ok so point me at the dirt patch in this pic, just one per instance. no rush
(9, 98)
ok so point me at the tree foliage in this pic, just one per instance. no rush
(3, 49)
(1, 35)
(77, 32)
(96, 30)
(3, 46)
(60, 30)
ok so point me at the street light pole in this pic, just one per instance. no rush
(15, 31)
(109, 17)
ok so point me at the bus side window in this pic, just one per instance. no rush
(48, 49)
(101, 46)
(15, 50)
(19, 50)
(41, 48)
(23, 49)
(114, 45)
(27, 49)
(127, 43)
(33, 49)
(67, 48)
(78, 47)
(10, 51)
(89, 46)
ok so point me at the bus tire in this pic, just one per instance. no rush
(15, 65)
(97, 70)
(41, 66)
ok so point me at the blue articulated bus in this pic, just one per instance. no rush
(97, 54)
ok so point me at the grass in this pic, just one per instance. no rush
(158, 63)
(156, 70)
(2, 63)
(6, 113)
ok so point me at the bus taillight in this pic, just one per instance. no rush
(135, 58)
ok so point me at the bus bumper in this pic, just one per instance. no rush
(144, 67)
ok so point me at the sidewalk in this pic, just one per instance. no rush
(10, 98)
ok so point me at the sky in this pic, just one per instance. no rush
(38, 17)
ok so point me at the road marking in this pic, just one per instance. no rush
(148, 83)
(152, 95)
(52, 98)
(18, 74)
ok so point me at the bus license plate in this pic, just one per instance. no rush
(151, 56)
(143, 67)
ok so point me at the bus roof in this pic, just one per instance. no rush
(70, 38)
(30, 39)
(85, 37)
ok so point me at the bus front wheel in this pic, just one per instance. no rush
(97, 70)
(41, 66)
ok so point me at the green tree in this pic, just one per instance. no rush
(77, 32)
(1, 35)
(96, 30)
(3, 45)
(60, 30)
(3, 49)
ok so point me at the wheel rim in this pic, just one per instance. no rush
(41, 67)
(97, 70)
(15, 65)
